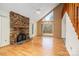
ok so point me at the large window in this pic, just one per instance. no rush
(49, 17)
(47, 28)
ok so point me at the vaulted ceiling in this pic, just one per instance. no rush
(29, 9)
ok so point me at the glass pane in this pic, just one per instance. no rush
(32, 28)
(47, 28)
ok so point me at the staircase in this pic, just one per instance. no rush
(73, 12)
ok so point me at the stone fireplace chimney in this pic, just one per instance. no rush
(19, 26)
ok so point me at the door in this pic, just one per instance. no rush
(4, 31)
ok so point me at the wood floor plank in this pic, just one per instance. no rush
(38, 46)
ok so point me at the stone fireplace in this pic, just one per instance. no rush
(19, 28)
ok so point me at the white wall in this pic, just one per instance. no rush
(72, 42)
(5, 28)
(35, 28)
(63, 34)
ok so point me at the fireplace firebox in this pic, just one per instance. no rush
(21, 37)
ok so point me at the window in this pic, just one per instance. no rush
(49, 17)
(32, 28)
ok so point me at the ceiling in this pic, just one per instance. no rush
(29, 9)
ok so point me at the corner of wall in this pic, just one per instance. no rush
(35, 28)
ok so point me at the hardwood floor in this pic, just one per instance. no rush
(38, 46)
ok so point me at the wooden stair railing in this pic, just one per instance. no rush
(73, 11)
